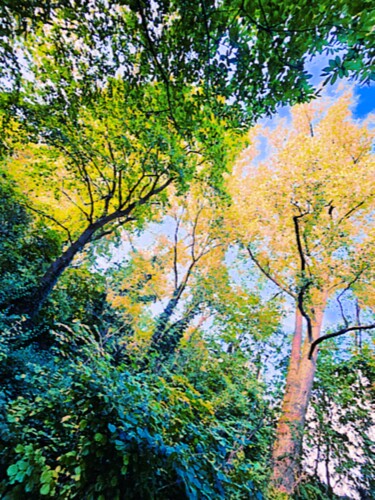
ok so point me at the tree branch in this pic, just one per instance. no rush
(87, 216)
(50, 217)
(305, 286)
(152, 49)
(349, 213)
(337, 334)
(175, 250)
(267, 274)
(356, 278)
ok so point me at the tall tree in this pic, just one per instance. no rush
(312, 237)
(169, 272)
(197, 246)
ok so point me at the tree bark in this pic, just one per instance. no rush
(31, 304)
(288, 443)
(167, 336)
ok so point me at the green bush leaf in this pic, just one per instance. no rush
(44, 490)
(12, 470)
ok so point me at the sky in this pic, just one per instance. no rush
(365, 93)
(366, 101)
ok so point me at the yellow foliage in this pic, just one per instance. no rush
(319, 174)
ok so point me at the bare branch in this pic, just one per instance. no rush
(119, 223)
(267, 274)
(337, 334)
(89, 183)
(358, 318)
(341, 307)
(302, 291)
(154, 190)
(152, 48)
(131, 192)
(299, 241)
(351, 211)
(358, 312)
(356, 278)
(175, 250)
(76, 205)
(119, 188)
(193, 236)
(310, 124)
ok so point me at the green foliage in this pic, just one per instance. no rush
(341, 420)
(26, 247)
(313, 489)
(250, 55)
(79, 296)
(82, 428)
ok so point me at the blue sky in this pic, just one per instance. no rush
(366, 101)
(365, 93)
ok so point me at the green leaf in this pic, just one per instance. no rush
(99, 437)
(12, 470)
(46, 476)
(44, 490)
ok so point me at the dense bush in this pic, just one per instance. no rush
(82, 428)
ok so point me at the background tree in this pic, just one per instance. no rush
(177, 284)
(340, 421)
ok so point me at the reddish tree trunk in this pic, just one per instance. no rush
(288, 443)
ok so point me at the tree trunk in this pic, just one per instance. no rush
(31, 304)
(288, 444)
(167, 336)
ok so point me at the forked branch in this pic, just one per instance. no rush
(304, 288)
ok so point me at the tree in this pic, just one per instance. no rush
(312, 238)
(168, 274)
(197, 247)
(109, 166)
